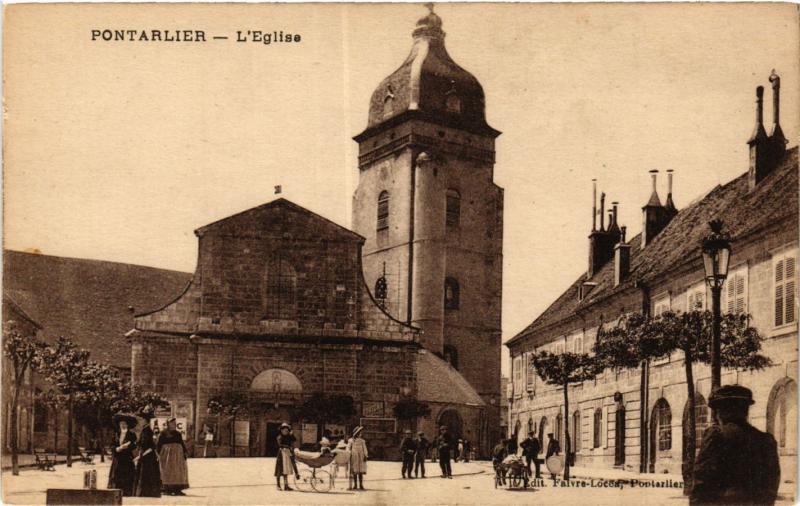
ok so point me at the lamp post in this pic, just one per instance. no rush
(716, 255)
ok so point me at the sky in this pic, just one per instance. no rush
(120, 150)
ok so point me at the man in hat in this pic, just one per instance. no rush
(444, 445)
(408, 447)
(419, 456)
(530, 450)
(737, 463)
(553, 448)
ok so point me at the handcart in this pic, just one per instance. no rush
(511, 472)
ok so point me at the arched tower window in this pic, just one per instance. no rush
(453, 208)
(280, 291)
(597, 428)
(451, 293)
(383, 210)
(451, 355)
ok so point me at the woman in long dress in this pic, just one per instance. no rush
(172, 457)
(148, 472)
(284, 463)
(123, 471)
(358, 458)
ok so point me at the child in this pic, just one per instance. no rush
(358, 458)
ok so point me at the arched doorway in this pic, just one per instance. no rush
(619, 431)
(702, 420)
(782, 415)
(452, 420)
(660, 432)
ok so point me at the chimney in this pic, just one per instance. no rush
(602, 210)
(669, 205)
(777, 139)
(601, 242)
(759, 148)
(652, 213)
(594, 205)
(622, 259)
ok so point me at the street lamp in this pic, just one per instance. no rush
(716, 255)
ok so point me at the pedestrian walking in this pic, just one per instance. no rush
(421, 453)
(459, 451)
(531, 448)
(172, 457)
(358, 458)
(553, 448)
(408, 448)
(148, 472)
(445, 447)
(467, 450)
(737, 463)
(284, 463)
(123, 471)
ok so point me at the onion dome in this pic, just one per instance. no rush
(429, 85)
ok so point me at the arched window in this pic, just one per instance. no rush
(662, 416)
(559, 432)
(383, 210)
(451, 355)
(39, 413)
(782, 415)
(530, 425)
(276, 381)
(453, 208)
(451, 293)
(597, 428)
(701, 418)
(381, 291)
(576, 430)
(542, 427)
(280, 291)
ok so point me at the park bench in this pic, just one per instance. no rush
(44, 461)
(87, 456)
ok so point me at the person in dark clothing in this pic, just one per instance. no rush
(285, 463)
(172, 455)
(408, 448)
(148, 472)
(553, 448)
(444, 446)
(499, 453)
(531, 448)
(467, 450)
(123, 471)
(737, 463)
(419, 456)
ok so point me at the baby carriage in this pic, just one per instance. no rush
(314, 478)
(511, 472)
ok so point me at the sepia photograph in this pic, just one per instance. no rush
(400, 253)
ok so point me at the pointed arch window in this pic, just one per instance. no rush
(381, 291)
(451, 293)
(280, 291)
(453, 208)
(383, 210)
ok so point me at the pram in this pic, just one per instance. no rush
(314, 478)
(511, 472)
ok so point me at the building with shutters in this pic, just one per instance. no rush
(616, 420)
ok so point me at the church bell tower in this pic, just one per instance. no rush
(430, 211)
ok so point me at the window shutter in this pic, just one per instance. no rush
(740, 293)
(788, 290)
(731, 294)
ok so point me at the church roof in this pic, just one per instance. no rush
(745, 213)
(88, 301)
(438, 381)
(429, 85)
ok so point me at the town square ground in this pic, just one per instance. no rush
(250, 481)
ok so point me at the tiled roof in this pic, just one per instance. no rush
(86, 300)
(439, 382)
(744, 213)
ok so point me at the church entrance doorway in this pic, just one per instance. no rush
(452, 420)
(273, 429)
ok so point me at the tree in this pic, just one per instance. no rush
(562, 370)
(327, 408)
(691, 333)
(633, 342)
(64, 366)
(23, 350)
(229, 404)
(55, 403)
(410, 409)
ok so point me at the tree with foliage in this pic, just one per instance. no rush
(691, 333)
(64, 365)
(410, 409)
(564, 369)
(327, 408)
(229, 404)
(23, 350)
(54, 402)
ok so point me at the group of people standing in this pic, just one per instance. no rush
(413, 452)
(161, 462)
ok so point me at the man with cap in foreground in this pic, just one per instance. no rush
(530, 450)
(422, 451)
(408, 447)
(444, 445)
(737, 463)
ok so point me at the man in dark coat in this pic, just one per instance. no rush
(408, 447)
(419, 456)
(737, 463)
(553, 448)
(444, 445)
(531, 448)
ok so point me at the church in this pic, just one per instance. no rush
(404, 309)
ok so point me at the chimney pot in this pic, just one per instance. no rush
(594, 205)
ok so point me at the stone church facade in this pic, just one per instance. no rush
(285, 304)
(616, 419)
